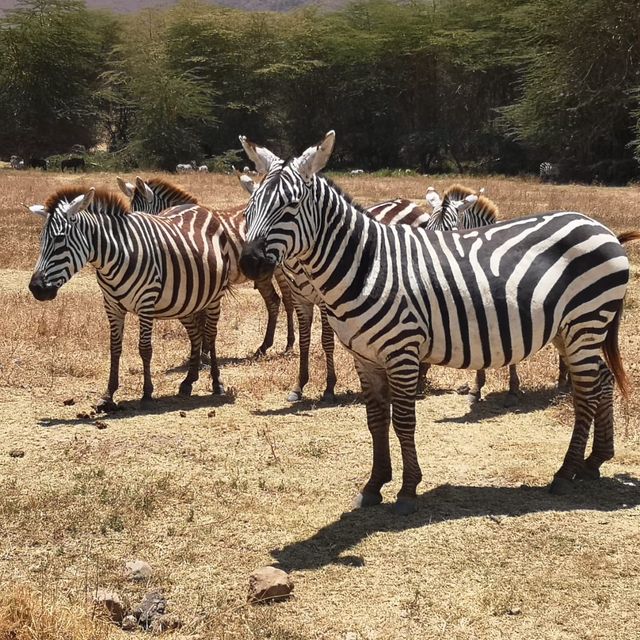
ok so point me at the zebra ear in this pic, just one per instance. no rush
(433, 198)
(145, 188)
(260, 156)
(247, 183)
(316, 157)
(38, 209)
(126, 187)
(463, 205)
(79, 204)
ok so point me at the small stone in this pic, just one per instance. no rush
(137, 570)
(129, 623)
(166, 622)
(16, 453)
(68, 402)
(83, 415)
(514, 611)
(269, 584)
(111, 602)
(183, 414)
(211, 414)
(497, 519)
(152, 606)
(351, 635)
(101, 425)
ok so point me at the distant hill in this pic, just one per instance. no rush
(130, 6)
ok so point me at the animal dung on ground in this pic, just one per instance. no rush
(68, 402)
(111, 602)
(101, 425)
(137, 570)
(16, 453)
(269, 584)
(183, 414)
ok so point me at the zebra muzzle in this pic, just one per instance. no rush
(41, 289)
(254, 262)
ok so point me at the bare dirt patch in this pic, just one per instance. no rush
(206, 490)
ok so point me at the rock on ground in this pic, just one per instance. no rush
(153, 606)
(138, 570)
(111, 602)
(129, 623)
(269, 584)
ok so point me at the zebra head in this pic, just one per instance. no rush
(64, 249)
(279, 216)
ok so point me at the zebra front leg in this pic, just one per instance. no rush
(287, 301)
(513, 397)
(272, 302)
(213, 314)
(603, 448)
(116, 328)
(304, 311)
(145, 350)
(584, 368)
(376, 397)
(475, 393)
(193, 325)
(328, 346)
(403, 380)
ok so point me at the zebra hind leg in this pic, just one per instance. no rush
(475, 393)
(584, 367)
(193, 325)
(603, 448)
(513, 397)
(377, 400)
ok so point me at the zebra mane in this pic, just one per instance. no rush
(482, 212)
(171, 191)
(344, 194)
(104, 201)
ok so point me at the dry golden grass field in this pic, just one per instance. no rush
(207, 490)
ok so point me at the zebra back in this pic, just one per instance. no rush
(398, 211)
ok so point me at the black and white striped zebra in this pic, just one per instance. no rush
(157, 194)
(484, 298)
(170, 266)
(549, 172)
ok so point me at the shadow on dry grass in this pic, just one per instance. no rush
(448, 503)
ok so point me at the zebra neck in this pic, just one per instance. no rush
(235, 229)
(110, 241)
(343, 251)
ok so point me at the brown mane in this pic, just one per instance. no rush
(484, 206)
(176, 192)
(104, 201)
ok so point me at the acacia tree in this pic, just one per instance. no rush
(52, 53)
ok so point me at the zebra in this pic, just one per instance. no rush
(169, 266)
(549, 172)
(157, 194)
(203, 168)
(487, 297)
(187, 168)
(305, 298)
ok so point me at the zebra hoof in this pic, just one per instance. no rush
(218, 389)
(473, 398)
(405, 506)
(261, 352)
(328, 397)
(185, 389)
(587, 473)
(560, 486)
(294, 396)
(366, 500)
(106, 405)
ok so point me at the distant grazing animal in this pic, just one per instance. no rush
(488, 297)
(356, 172)
(186, 168)
(156, 195)
(169, 266)
(549, 172)
(203, 168)
(16, 162)
(38, 163)
(73, 163)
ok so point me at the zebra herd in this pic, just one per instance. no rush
(401, 288)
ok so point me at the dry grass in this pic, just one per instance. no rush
(207, 499)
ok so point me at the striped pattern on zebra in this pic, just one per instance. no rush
(157, 194)
(305, 297)
(170, 266)
(549, 172)
(484, 298)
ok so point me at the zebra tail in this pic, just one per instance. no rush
(628, 236)
(611, 351)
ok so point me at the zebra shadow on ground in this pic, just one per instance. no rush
(231, 361)
(496, 404)
(301, 407)
(331, 544)
(128, 408)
